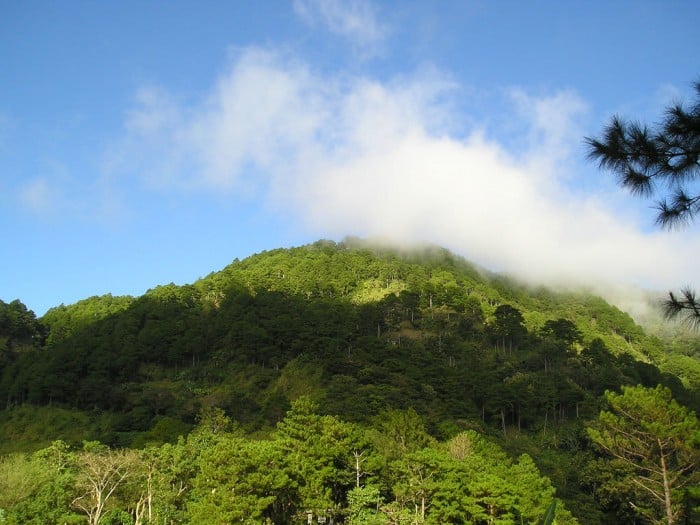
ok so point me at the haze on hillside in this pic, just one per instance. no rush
(282, 124)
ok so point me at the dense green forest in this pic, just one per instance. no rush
(346, 383)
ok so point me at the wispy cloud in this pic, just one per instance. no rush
(360, 156)
(39, 195)
(356, 20)
(552, 121)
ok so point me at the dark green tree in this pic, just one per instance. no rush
(508, 330)
(663, 160)
(559, 338)
(562, 331)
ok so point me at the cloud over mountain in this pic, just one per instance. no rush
(357, 155)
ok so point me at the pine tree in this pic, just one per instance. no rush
(661, 160)
(655, 438)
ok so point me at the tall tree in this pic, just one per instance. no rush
(508, 329)
(318, 454)
(663, 160)
(656, 440)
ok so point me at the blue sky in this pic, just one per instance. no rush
(146, 142)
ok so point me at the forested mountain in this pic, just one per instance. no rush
(361, 384)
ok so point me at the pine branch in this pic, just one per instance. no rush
(686, 306)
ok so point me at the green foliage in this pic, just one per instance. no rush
(319, 453)
(666, 155)
(548, 518)
(31, 428)
(63, 320)
(314, 464)
(231, 486)
(364, 505)
(20, 477)
(508, 329)
(18, 326)
(47, 502)
(653, 440)
(348, 367)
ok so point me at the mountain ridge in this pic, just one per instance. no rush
(361, 272)
(362, 331)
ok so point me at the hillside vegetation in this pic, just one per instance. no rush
(378, 385)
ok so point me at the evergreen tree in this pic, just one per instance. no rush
(653, 441)
(668, 156)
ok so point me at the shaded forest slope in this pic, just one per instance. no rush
(360, 329)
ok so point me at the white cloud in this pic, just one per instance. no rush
(154, 113)
(551, 121)
(260, 113)
(363, 157)
(356, 20)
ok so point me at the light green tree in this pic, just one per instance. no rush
(20, 477)
(417, 476)
(240, 481)
(364, 505)
(45, 498)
